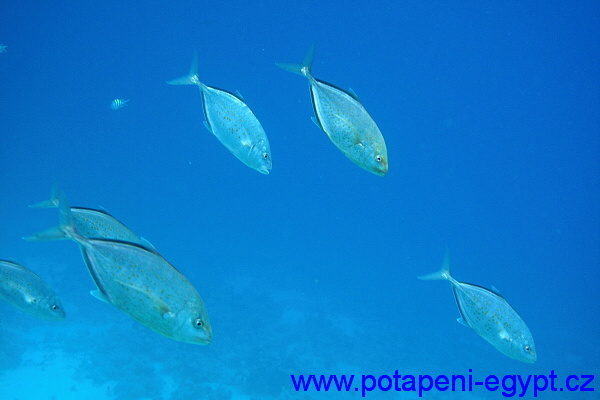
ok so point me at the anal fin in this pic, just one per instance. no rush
(100, 296)
(462, 322)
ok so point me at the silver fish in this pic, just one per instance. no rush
(117, 104)
(90, 223)
(489, 314)
(142, 284)
(3, 48)
(228, 117)
(27, 292)
(344, 119)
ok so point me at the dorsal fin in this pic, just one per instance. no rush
(353, 94)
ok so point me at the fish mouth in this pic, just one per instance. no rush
(203, 340)
(529, 359)
(56, 315)
(379, 172)
(380, 169)
(60, 317)
(263, 170)
(384, 169)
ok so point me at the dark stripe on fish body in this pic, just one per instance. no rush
(228, 92)
(312, 98)
(483, 288)
(337, 88)
(205, 112)
(92, 210)
(89, 264)
(461, 310)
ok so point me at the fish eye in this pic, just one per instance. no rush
(378, 158)
(527, 348)
(54, 307)
(266, 156)
(198, 323)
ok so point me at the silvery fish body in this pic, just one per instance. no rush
(344, 119)
(27, 292)
(99, 224)
(144, 285)
(138, 282)
(489, 314)
(92, 224)
(228, 117)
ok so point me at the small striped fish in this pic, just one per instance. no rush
(118, 104)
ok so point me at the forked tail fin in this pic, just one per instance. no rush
(66, 225)
(443, 273)
(304, 68)
(191, 78)
(52, 202)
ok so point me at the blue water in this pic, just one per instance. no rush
(491, 117)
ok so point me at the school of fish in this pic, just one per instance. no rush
(132, 276)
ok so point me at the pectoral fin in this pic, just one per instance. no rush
(169, 315)
(156, 301)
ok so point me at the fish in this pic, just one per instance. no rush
(228, 117)
(3, 48)
(90, 223)
(141, 283)
(344, 119)
(117, 104)
(490, 316)
(27, 292)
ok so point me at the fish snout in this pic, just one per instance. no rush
(57, 314)
(532, 356)
(205, 338)
(384, 166)
(55, 311)
(379, 165)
